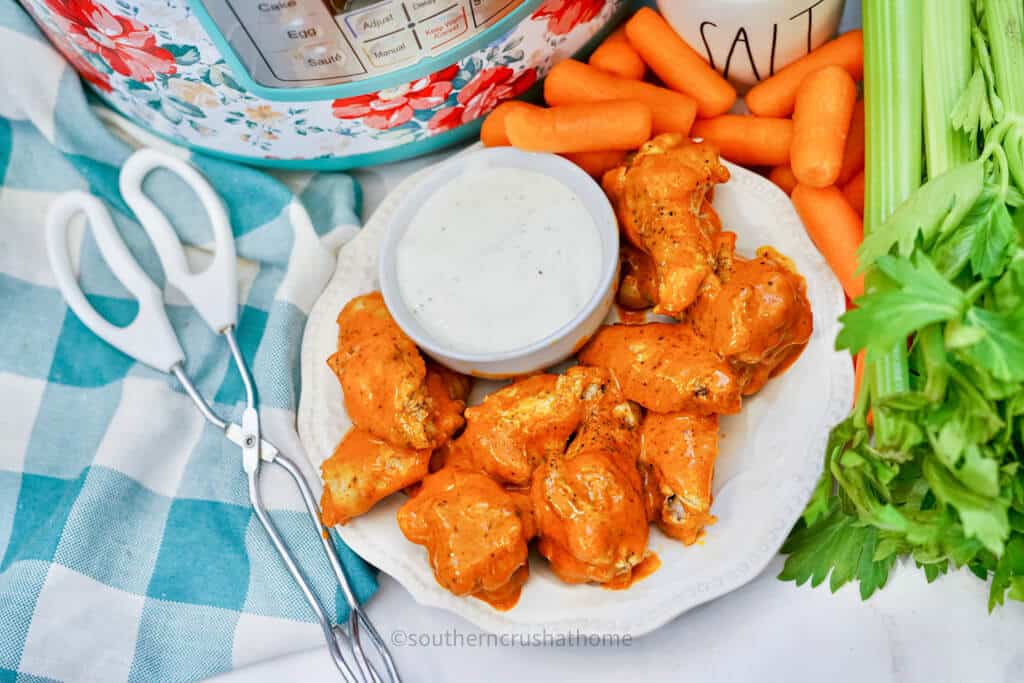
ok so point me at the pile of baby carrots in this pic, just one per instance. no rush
(806, 129)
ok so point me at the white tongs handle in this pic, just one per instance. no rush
(214, 291)
(149, 338)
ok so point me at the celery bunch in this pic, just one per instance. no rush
(936, 474)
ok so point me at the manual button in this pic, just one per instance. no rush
(394, 49)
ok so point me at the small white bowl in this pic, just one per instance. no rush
(560, 343)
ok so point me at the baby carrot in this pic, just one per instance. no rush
(836, 230)
(853, 155)
(854, 192)
(590, 127)
(776, 95)
(783, 177)
(572, 82)
(748, 140)
(616, 56)
(677, 64)
(597, 164)
(492, 132)
(821, 122)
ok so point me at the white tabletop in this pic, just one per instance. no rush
(768, 631)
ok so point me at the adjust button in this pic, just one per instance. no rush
(376, 22)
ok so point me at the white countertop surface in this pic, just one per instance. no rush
(767, 631)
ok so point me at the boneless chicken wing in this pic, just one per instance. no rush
(755, 313)
(383, 375)
(588, 503)
(665, 367)
(678, 452)
(473, 532)
(389, 389)
(519, 426)
(364, 470)
(661, 199)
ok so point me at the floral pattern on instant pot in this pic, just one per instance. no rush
(441, 101)
(153, 62)
(393, 107)
(563, 16)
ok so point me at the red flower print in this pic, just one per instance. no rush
(491, 87)
(123, 43)
(564, 15)
(486, 91)
(446, 119)
(392, 107)
(85, 69)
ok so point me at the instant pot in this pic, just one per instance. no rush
(317, 84)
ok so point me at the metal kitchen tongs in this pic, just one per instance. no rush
(151, 339)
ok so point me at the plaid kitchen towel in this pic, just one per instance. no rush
(128, 550)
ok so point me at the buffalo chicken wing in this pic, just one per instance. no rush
(660, 197)
(755, 313)
(588, 502)
(521, 425)
(474, 534)
(364, 470)
(383, 376)
(665, 367)
(678, 451)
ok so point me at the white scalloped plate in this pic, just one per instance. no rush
(770, 454)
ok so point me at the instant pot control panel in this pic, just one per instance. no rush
(308, 43)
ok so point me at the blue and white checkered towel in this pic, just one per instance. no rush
(128, 550)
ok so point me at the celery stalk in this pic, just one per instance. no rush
(1003, 22)
(893, 101)
(947, 58)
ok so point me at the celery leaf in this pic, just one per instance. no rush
(921, 296)
(839, 545)
(983, 517)
(935, 208)
(994, 242)
(972, 112)
(1000, 349)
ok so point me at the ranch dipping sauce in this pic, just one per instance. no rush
(498, 259)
